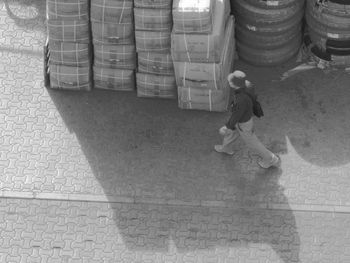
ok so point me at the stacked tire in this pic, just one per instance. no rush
(68, 45)
(155, 74)
(268, 33)
(329, 30)
(113, 44)
(202, 48)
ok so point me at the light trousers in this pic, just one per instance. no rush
(245, 130)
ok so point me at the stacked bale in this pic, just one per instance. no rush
(329, 29)
(68, 44)
(268, 33)
(153, 23)
(203, 50)
(113, 38)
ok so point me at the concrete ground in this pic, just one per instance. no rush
(105, 176)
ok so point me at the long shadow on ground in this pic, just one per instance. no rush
(157, 150)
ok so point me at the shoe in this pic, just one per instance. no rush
(221, 149)
(276, 162)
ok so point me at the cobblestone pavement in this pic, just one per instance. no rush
(107, 177)
(61, 231)
(113, 146)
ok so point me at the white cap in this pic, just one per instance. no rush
(238, 79)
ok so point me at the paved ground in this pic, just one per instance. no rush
(107, 177)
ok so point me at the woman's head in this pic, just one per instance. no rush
(238, 79)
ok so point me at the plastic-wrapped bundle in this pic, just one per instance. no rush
(109, 33)
(68, 9)
(69, 54)
(115, 56)
(153, 19)
(203, 47)
(111, 11)
(156, 86)
(152, 41)
(201, 99)
(114, 79)
(193, 16)
(155, 63)
(70, 78)
(69, 30)
(164, 4)
(208, 75)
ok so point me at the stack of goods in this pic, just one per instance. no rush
(203, 50)
(268, 32)
(329, 28)
(68, 44)
(114, 44)
(153, 23)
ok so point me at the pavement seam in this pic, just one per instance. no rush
(172, 202)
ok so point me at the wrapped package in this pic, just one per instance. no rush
(69, 30)
(155, 63)
(67, 9)
(203, 47)
(115, 56)
(164, 4)
(202, 99)
(156, 86)
(153, 19)
(109, 33)
(209, 75)
(114, 79)
(112, 11)
(193, 16)
(152, 41)
(69, 54)
(70, 78)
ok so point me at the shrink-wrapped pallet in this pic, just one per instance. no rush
(209, 75)
(203, 47)
(69, 54)
(152, 41)
(110, 33)
(70, 78)
(193, 16)
(67, 9)
(112, 11)
(163, 4)
(156, 86)
(153, 19)
(69, 30)
(114, 79)
(155, 63)
(202, 99)
(115, 56)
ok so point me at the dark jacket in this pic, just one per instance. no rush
(241, 107)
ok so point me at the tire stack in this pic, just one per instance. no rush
(202, 50)
(268, 33)
(113, 39)
(329, 30)
(153, 23)
(68, 45)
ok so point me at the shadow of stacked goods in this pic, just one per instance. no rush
(159, 151)
(219, 235)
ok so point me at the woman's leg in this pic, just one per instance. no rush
(229, 137)
(246, 131)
